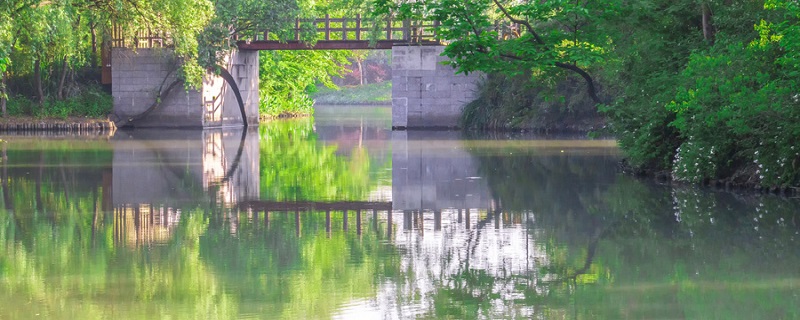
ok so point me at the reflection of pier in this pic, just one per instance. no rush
(144, 224)
(435, 171)
(180, 167)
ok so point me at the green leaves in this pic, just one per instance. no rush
(285, 76)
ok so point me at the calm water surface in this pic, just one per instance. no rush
(339, 217)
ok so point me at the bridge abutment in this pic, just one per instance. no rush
(138, 76)
(425, 92)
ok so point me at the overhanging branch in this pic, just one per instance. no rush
(520, 21)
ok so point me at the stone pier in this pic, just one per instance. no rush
(425, 92)
(138, 74)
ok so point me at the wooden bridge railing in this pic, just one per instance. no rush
(323, 33)
(142, 39)
(357, 29)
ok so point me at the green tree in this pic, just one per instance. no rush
(287, 76)
(558, 36)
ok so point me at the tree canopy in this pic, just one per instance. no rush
(699, 90)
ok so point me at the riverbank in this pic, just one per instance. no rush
(368, 94)
(283, 115)
(730, 184)
(87, 125)
(20, 124)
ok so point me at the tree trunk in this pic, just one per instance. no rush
(3, 94)
(64, 70)
(232, 82)
(93, 32)
(708, 28)
(37, 75)
(360, 72)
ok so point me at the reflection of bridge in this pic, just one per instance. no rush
(145, 224)
(319, 206)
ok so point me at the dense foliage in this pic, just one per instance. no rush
(289, 77)
(701, 90)
(286, 78)
(50, 50)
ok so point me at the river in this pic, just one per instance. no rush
(340, 217)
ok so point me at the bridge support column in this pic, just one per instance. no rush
(425, 92)
(138, 76)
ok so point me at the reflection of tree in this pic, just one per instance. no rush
(69, 275)
(63, 253)
(145, 261)
(310, 275)
(615, 247)
(296, 166)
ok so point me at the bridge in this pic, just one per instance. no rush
(311, 34)
(346, 34)
(425, 92)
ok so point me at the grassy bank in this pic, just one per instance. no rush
(89, 102)
(373, 94)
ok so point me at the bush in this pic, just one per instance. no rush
(90, 101)
(737, 116)
(516, 102)
(273, 105)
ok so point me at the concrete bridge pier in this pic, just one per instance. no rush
(425, 92)
(139, 74)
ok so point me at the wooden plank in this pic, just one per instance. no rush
(297, 29)
(344, 29)
(327, 27)
(358, 26)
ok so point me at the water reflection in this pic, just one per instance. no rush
(181, 167)
(293, 220)
(569, 237)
